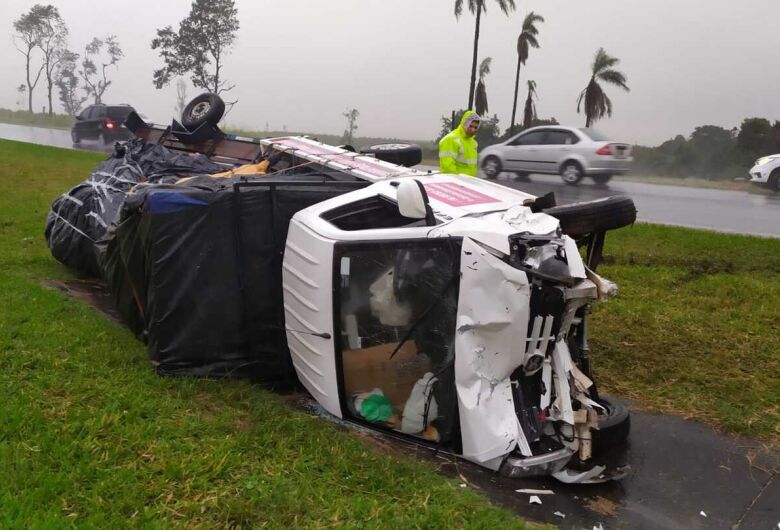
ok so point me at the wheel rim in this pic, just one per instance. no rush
(200, 110)
(491, 167)
(571, 173)
(389, 147)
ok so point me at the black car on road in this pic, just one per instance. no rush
(105, 123)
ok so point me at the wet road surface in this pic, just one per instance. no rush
(684, 475)
(721, 210)
(53, 137)
(729, 211)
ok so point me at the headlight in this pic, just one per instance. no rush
(765, 160)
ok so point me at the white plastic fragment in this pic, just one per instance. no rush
(702, 513)
(531, 491)
(533, 499)
(598, 527)
(462, 485)
(572, 477)
(559, 514)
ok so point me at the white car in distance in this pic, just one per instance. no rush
(571, 152)
(766, 171)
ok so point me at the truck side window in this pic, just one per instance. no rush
(397, 311)
(369, 213)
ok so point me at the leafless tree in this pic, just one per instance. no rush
(52, 41)
(349, 132)
(181, 96)
(105, 53)
(26, 40)
(68, 83)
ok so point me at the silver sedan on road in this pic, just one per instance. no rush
(569, 152)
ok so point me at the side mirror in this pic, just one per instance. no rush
(78, 117)
(413, 201)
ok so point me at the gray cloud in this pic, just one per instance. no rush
(403, 64)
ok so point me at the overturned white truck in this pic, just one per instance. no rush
(445, 308)
(449, 310)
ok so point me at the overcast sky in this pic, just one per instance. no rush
(405, 63)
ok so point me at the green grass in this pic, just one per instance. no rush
(695, 329)
(90, 437)
(22, 117)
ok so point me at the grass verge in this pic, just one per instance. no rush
(91, 437)
(22, 117)
(694, 330)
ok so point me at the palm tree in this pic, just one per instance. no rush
(480, 98)
(594, 101)
(477, 7)
(529, 113)
(525, 41)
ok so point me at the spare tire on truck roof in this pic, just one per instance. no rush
(581, 218)
(205, 108)
(407, 155)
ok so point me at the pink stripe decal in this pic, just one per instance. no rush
(337, 155)
(456, 195)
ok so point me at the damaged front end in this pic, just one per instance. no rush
(527, 404)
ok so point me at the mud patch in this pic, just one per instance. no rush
(92, 292)
(601, 505)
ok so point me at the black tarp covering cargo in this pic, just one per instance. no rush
(80, 217)
(197, 271)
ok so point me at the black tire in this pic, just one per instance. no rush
(406, 155)
(582, 218)
(614, 427)
(601, 178)
(572, 172)
(75, 137)
(205, 108)
(492, 167)
(773, 183)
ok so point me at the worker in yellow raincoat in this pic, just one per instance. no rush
(458, 150)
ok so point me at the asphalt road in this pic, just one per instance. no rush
(720, 210)
(737, 212)
(43, 136)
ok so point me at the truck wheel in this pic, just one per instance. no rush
(406, 155)
(615, 427)
(572, 172)
(205, 108)
(492, 167)
(601, 178)
(582, 218)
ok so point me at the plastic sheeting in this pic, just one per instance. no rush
(196, 270)
(80, 217)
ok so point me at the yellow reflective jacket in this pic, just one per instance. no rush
(458, 152)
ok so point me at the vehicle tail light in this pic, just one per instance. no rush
(604, 150)
(109, 124)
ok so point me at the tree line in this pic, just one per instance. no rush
(197, 48)
(711, 151)
(41, 36)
